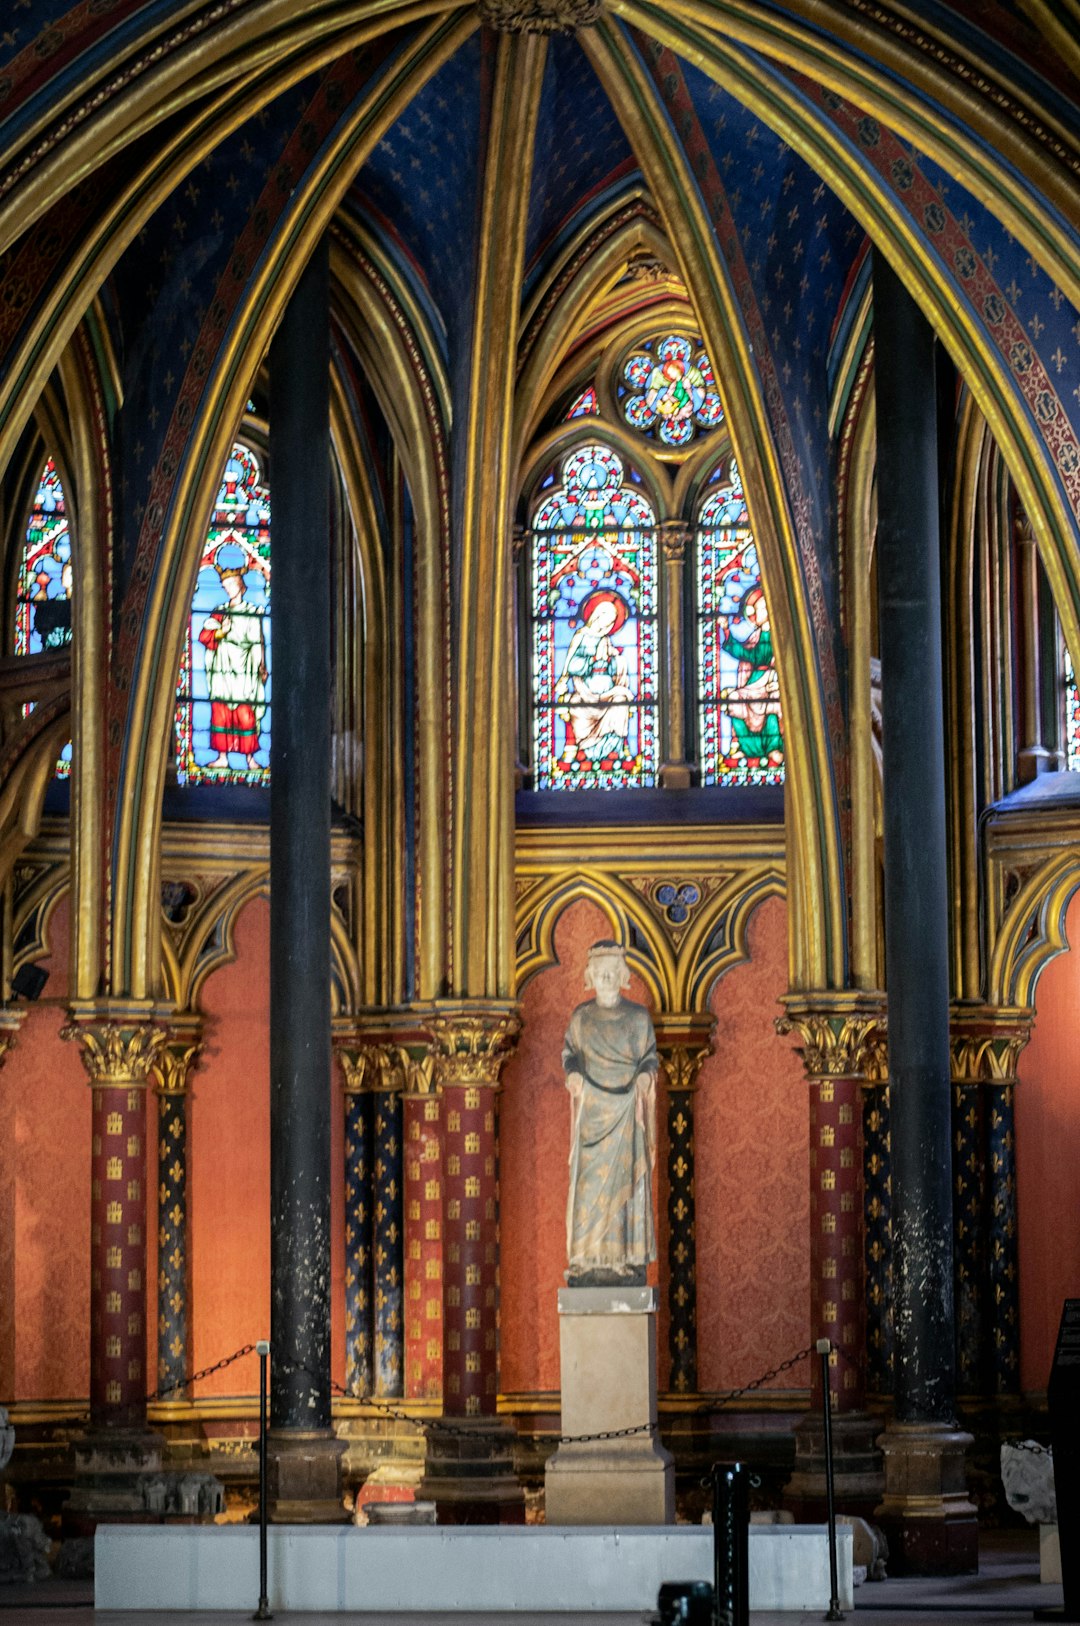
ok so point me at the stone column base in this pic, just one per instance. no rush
(303, 1477)
(113, 1468)
(469, 1473)
(929, 1522)
(858, 1475)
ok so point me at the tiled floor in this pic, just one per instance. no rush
(1004, 1593)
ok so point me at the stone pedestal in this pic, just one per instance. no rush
(303, 1474)
(607, 1348)
(929, 1521)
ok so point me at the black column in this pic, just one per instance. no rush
(300, 1056)
(916, 920)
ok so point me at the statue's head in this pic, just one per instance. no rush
(606, 971)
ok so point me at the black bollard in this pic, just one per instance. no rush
(731, 1540)
(824, 1349)
(263, 1612)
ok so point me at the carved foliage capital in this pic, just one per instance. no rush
(373, 1066)
(470, 1047)
(987, 1052)
(117, 1055)
(175, 1062)
(539, 16)
(838, 1044)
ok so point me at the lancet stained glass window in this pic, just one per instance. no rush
(740, 723)
(223, 698)
(1072, 717)
(594, 582)
(668, 392)
(43, 594)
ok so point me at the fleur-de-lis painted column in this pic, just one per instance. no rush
(674, 540)
(470, 1472)
(176, 1061)
(118, 1056)
(986, 1048)
(841, 1035)
(374, 1217)
(683, 1042)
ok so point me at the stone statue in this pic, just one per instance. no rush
(610, 1059)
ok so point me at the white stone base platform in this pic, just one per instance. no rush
(384, 1570)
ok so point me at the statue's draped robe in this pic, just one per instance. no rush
(609, 1220)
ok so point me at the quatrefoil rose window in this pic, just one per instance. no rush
(667, 390)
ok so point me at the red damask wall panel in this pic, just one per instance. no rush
(45, 1106)
(752, 1175)
(1048, 1160)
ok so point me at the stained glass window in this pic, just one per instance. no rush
(594, 583)
(43, 594)
(739, 718)
(1072, 717)
(585, 405)
(223, 696)
(668, 392)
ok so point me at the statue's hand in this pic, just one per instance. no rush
(575, 1084)
(644, 1086)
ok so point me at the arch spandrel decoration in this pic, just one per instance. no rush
(1031, 929)
(679, 970)
(594, 609)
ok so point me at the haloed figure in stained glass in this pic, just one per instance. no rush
(593, 690)
(753, 703)
(236, 672)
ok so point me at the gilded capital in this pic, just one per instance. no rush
(117, 1055)
(11, 1020)
(842, 1042)
(539, 16)
(470, 1044)
(683, 1043)
(175, 1062)
(985, 1046)
(372, 1066)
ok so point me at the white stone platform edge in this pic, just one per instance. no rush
(538, 1568)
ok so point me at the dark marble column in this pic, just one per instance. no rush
(304, 1457)
(929, 1520)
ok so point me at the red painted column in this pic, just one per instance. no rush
(469, 1469)
(118, 1058)
(423, 1247)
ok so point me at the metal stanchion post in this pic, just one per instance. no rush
(824, 1349)
(263, 1612)
(731, 1535)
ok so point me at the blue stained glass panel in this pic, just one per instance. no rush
(43, 592)
(595, 653)
(223, 699)
(741, 738)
